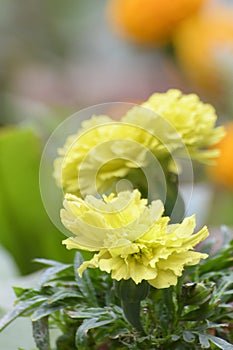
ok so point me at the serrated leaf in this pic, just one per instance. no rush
(220, 261)
(20, 309)
(47, 290)
(64, 294)
(221, 343)
(211, 325)
(203, 339)
(19, 291)
(50, 272)
(45, 310)
(84, 283)
(50, 262)
(81, 334)
(90, 313)
(40, 331)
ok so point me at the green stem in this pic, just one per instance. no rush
(131, 295)
(132, 314)
(40, 330)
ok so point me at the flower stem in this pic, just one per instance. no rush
(131, 295)
(132, 314)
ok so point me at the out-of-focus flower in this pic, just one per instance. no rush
(105, 150)
(149, 21)
(222, 171)
(190, 123)
(102, 151)
(132, 240)
(198, 42)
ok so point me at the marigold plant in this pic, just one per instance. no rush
(140, 284)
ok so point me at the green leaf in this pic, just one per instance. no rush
(50, 272)
(197, 293)
(25, 294)
(219, 342)
(20, 309)
(26, 230)
(188, 337)
(40, 331)
(91, 313)
(64, 294)
(204, 341)
(50, 262)
(45, 310)
(203, 312)
(81, 339)
(19, 291)
(220, 261)
(222, 344)
(175, 337)
(84, 282)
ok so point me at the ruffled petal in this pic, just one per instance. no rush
(164, 279)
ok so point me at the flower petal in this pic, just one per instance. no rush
(164, 279)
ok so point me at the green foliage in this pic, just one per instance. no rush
(195, 314)
(26, 231)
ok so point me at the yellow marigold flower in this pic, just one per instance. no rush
(132, 240)
(149, 21)
(190, 123)
(210, 33)
(101, 152)
(105, 150)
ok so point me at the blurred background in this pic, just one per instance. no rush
(58, 57)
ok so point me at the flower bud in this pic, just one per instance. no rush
(196, 293)
(130, 292)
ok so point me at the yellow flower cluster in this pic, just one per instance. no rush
(190, 123)
(105, 150)
(132, 240)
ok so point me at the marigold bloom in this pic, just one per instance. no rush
(132, 240)
(149, 21)
(101, 152)
(105, 150)
(191, 123)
